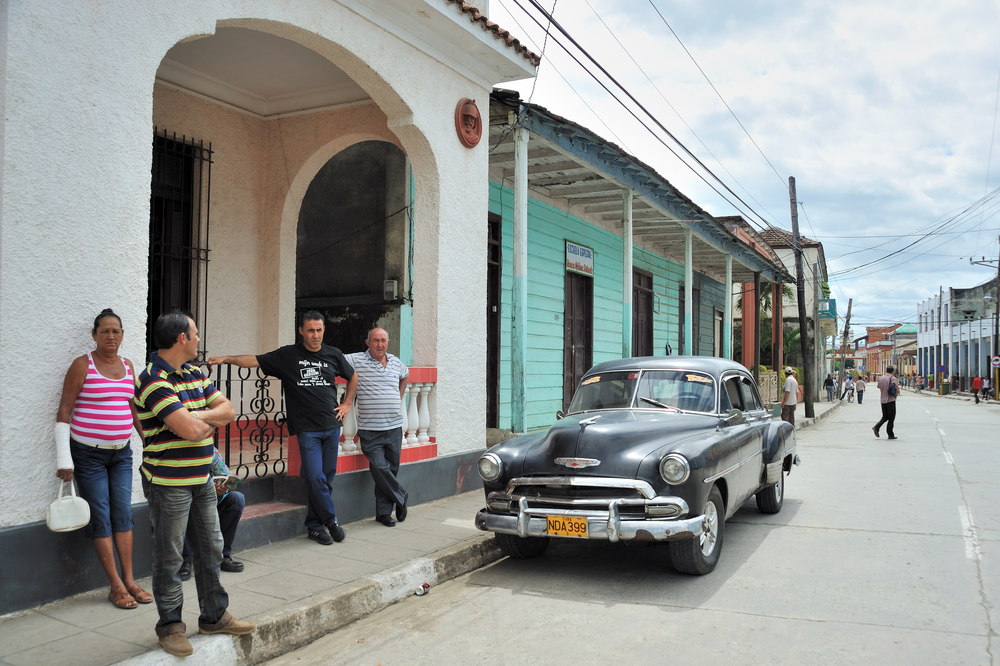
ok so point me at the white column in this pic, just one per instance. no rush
(350, 427)
(424, 412)
(727, 313)
(412, 415)
(626, 273)
(519, 293)
(688, 293)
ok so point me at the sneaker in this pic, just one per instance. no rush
(228, 624)
(185, 571)
(337, 532)
(320, 537)
(177, 644)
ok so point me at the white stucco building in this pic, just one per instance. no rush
(306, 156)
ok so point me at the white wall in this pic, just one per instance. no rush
(78, 80)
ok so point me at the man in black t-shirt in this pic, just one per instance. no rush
(308, 372)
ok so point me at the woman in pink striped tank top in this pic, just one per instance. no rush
(93, 428)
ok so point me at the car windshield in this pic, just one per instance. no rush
(651, 389)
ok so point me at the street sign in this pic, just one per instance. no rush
(995, 361)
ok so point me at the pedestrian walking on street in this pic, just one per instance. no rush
(789, 395)
(859, 386)
(888, 389)
(829, 386)
(977, 385)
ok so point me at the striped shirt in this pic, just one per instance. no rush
(167, 459)
(379, 405)
(102, 414)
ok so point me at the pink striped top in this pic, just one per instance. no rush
(102, 414)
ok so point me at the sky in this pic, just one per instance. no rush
(884, 112)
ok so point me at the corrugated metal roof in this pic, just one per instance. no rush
(570, 162)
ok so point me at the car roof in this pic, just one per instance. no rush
(708, 364)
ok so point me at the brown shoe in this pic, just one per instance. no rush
(177, 644)
(228, 624)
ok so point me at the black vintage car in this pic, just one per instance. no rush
(651, 449)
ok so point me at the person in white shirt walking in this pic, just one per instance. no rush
(789, 396)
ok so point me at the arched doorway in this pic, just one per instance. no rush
(351, 247)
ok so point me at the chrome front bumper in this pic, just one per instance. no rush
(605, 525)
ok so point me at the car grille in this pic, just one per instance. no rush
(576, 494)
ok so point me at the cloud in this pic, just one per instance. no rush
(884, 113)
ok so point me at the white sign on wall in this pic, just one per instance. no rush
(579, 259)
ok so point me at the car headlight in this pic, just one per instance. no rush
(674, 469)
(490, 466)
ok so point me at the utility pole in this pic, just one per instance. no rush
(994, 372)
(843, 350)
(800, 296)
(938, 374)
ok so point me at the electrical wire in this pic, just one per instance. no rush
(677, 113)
(718, 94)
(541, 10)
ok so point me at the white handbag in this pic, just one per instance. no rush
(67, 512)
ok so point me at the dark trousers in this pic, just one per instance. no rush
(975, 392)
(382, 448)
(861, 397)
(230, 508)
(888, 417)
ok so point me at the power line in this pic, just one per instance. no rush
(541, 10)
(716, 90)
(677, 113)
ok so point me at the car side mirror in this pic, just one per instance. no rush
(560, 414)
(734, 417)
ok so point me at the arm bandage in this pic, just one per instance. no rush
(64, 459)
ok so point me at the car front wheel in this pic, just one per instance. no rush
(699, 555)
(519, 547)
(770, 499)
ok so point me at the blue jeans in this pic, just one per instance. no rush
(104, 477)
(318, 452)
(829, 394)
(171, 510)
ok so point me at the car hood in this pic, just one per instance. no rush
(618, 440)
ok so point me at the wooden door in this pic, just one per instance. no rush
(578, 338)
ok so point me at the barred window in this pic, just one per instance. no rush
(178, 230)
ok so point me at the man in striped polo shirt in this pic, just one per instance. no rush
(180, 410)
(381, 382)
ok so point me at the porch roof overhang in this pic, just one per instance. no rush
(567, 161)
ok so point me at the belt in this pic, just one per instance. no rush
(110, 447)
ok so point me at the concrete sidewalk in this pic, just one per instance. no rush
(295, 590)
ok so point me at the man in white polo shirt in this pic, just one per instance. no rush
(381, 382)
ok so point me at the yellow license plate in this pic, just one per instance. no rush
(566, 526)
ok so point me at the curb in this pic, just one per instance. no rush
(297, 624)
(806, 422)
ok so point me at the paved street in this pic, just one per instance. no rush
(885, 552)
